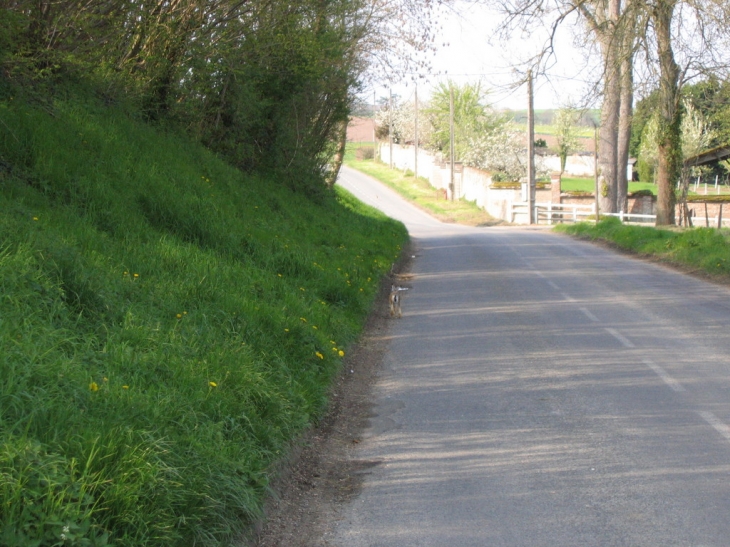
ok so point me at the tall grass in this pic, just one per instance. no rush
(703, 249)
(168, 325)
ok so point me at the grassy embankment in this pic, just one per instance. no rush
(167, 326)
(419, 191)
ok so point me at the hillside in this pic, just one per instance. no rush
(168, 324)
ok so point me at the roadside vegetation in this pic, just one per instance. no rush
(704, 250)
(168, 324)
(417, 191)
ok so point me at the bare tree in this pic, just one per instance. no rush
(613, 35)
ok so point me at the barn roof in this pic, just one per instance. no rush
(710, 156)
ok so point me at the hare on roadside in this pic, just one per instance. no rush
(394, 301)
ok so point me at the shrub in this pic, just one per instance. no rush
(365, 153)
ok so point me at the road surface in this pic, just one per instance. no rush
(542, 391)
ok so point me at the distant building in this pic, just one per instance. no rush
(361, 130)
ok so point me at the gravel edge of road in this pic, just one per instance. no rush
(320, 473)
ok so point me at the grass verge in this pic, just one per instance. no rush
(703, 250)
(420, 192)
(168, 325)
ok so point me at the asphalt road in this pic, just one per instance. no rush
(542, 391)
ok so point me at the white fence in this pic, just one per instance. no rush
(555, 213)
(475, 185)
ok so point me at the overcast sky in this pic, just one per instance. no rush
(469, 57)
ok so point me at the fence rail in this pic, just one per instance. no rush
(552, 213)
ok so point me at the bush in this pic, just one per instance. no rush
(365, 153)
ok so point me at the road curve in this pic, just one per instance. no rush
(541, 391)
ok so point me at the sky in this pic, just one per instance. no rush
(471, 56)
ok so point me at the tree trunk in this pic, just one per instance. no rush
(669, 148)
(626, 112)
(339, 157)
(608, 134)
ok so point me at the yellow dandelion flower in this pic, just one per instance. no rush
(212, 384)
(136, 275)
(314, 327)
(318, 354)
(93, 386)
(35, 218)
(179, 316)
(286, 330)
(125, 387)
(105, 379)
(341, 353)
(302, 319)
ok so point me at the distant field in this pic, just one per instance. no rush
(576, 184)
(585, 132)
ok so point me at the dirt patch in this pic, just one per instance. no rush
(321, 473)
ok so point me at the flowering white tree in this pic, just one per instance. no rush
(502, 152)
(402, 119)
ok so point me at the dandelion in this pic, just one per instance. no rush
(286, 330)
(105, 379)
(125, 387)
(279, 275)
(314, 327)
(179, 316)
(212, 384)
(302, 319)
(341, 353)
(93, 386)
(136, 275)
(318, 354)
(35, 218)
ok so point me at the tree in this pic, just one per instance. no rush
(614, 36)
(473, 117)
(564, 122)
(695, 29)
(269, 85)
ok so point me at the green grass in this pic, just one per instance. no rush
(419, 191)
(168, 325)
(579, 184)
(702, 249)
(583, 132)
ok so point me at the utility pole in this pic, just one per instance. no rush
(532, 191)
(390, 125)
(375, 142)
(595, 168)
(415, 143)
(451, 139)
